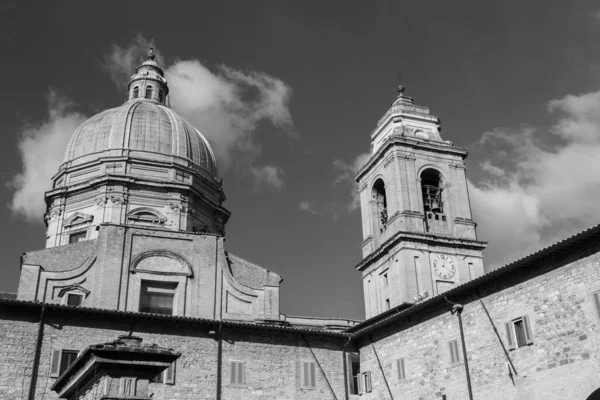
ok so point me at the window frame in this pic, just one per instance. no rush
(146, 283)
(308, 375)
(79, 234)
(167, 376)
(596, 303)
(511, 333)
(401, 369)
(148, 92)
(235, 366)
(56, 358)
(455, 348)
(81, 296)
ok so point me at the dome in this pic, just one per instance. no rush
(143, 129)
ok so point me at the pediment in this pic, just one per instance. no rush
(78, 218)
(162, 262)
(146, 215)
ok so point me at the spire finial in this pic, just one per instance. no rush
(399, 79)
(151, 55)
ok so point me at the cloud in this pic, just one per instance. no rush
(329, 209)
(268, 177)
(225, 104)
(42, 148)
(345, 174)
(539, 186)
(308, 207)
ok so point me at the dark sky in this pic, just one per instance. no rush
(478, 65)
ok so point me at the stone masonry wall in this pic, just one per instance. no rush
(563, 363)
(272, 359)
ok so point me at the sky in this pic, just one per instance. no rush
(287, 93)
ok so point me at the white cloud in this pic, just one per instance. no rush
(540, 187)
(345, 173)
(225, 104)
(308, 207)
(268, 177)
(42, 148)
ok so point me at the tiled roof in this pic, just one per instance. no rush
(8, 296)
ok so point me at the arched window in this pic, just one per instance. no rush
(148, 92)
(136, 92)
(431, 186)
(161, 96)
(380, 200)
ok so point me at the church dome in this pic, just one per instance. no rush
(141, 129)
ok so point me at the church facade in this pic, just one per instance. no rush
(136, 295)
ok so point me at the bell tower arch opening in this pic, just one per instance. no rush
(432, 190)
(380, 205)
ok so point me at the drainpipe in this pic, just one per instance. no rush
(219, 360)
(36, 357)
(458, 309)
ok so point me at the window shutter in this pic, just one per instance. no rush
(527, 326)
(401, 371)
(456, 351)
(233, 373)
(313, 375)
(351, 387)
(360, 379)
(597, 302)
(368, 387)
(170, 374)
(509, 336)
(241, 373)
(55, 363)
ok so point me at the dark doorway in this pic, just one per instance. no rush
(594, 396)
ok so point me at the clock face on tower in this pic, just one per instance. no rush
(443, 266)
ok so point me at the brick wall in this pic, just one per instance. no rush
(562, 363)
(272, 359)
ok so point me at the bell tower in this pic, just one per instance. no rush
(419, 237)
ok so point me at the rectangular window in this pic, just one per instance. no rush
(77, 237)
(61, 360)
(148, 92)
(518, 333)
(596, 298)
(74, 299)
(309, 375)
(385, 279)
(454, 351)
(167, 376)
(237, 374)
(401, 370)
(353, 366)
(157, 297)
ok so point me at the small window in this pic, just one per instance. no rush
(161, 96)
(61, 360)
(167, 376)
(454, 351)
(237, 376)
(157, 297)
(385, 279)
(309, 375)
(148, 92)
(387, 304)
(136, 92)
(518, 333)
(596, 297)
(74, 299)
(353, 371)
(77, 237)
(401, 370)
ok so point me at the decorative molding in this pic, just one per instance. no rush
(78, 218)
(136, 215)
(161, 253)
